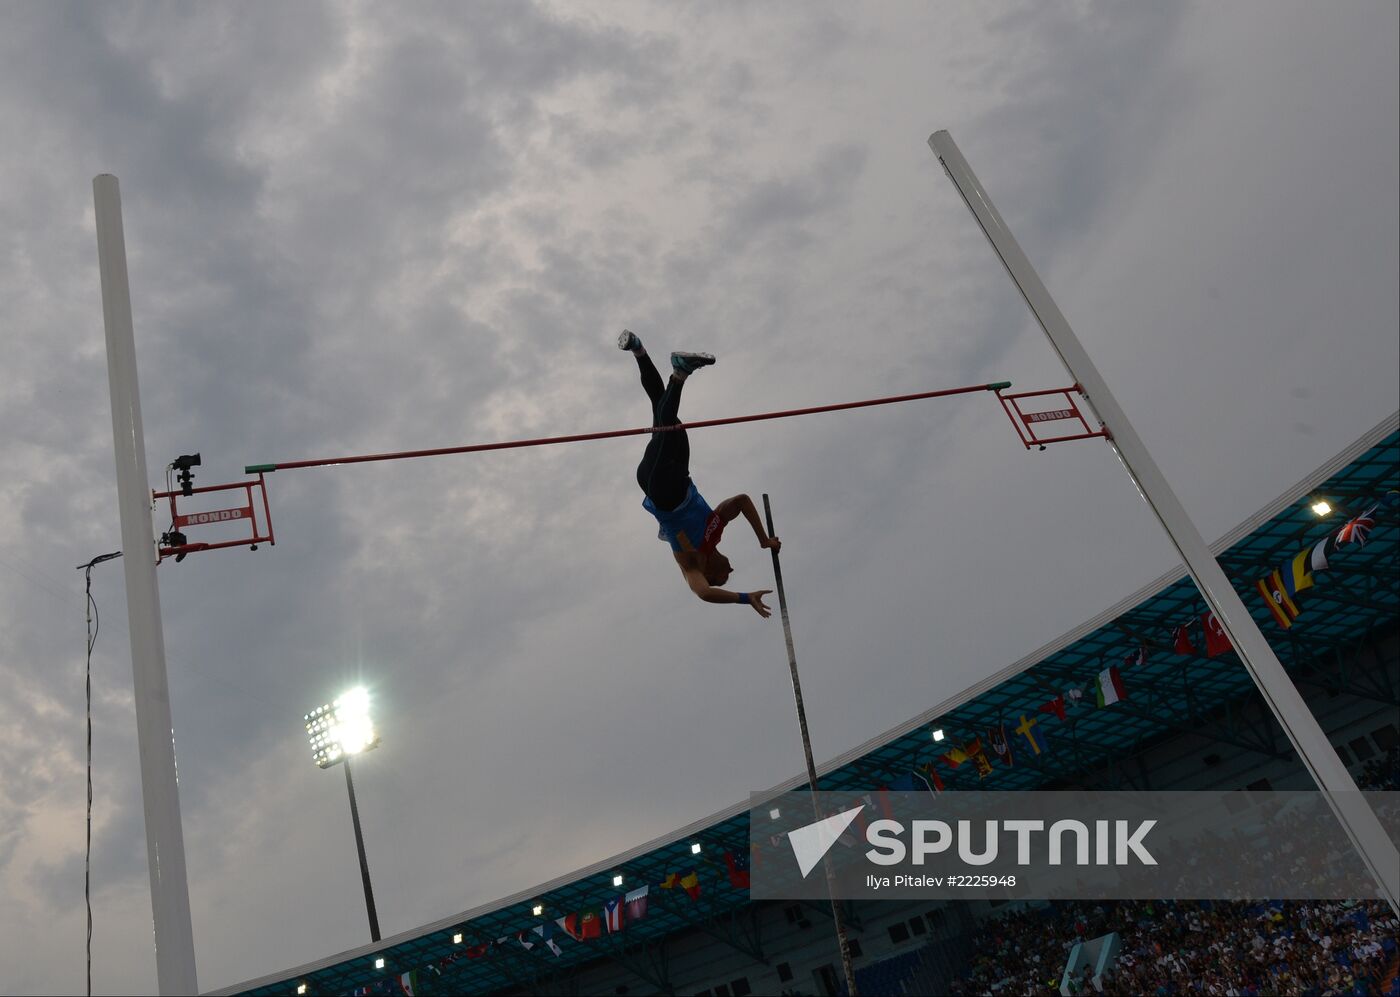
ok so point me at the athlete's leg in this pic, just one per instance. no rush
(664, 472)
(668, 405)
(668, 408)
(651, 380)
(664, 481)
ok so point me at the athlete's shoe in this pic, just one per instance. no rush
(628, 341)
(689, 363)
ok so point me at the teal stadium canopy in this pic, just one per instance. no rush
(1168, 693)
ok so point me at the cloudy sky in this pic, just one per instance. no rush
(362, 228)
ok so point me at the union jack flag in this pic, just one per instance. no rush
(1355, 530)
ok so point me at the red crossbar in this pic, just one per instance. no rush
(579, 437)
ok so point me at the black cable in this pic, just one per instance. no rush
(170, 487)
(94, 623)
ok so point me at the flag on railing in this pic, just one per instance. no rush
(1276, 597)
(614, 915)
(1109, 688)
(738, 865)
(636, 902)
(1217, 640)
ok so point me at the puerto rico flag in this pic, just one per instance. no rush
(614, 914)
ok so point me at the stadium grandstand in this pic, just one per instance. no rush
(681, 920)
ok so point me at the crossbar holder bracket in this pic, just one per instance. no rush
(247, 513)
(1026, 423)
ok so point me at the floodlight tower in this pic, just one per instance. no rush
(338, 730)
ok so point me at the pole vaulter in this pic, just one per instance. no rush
(686, 521)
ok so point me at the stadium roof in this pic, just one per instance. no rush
(1169, 693)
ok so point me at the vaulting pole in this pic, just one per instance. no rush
(1352, 810)
(836, 917)
(155, 734)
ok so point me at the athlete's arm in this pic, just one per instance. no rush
(729, 510)
(695, 578)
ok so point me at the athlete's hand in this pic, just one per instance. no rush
(772, 543)
(756, 601)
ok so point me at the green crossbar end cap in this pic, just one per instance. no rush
(998, 385)
(259, 468)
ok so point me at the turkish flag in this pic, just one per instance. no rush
(1217, 641)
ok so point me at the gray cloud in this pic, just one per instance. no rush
(357, 230)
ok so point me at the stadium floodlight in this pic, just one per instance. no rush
(338, 730)
(537, 910)
(301, 988)
(1321, 507)
(457, 938)
(695, 848)
(617, 879)
(938, 734)
(379, 964)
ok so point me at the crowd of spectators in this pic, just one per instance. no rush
(1381, 774)
(1235, 949)
(1231, 948)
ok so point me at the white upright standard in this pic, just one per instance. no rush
(1353, 812)
(155, 735)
